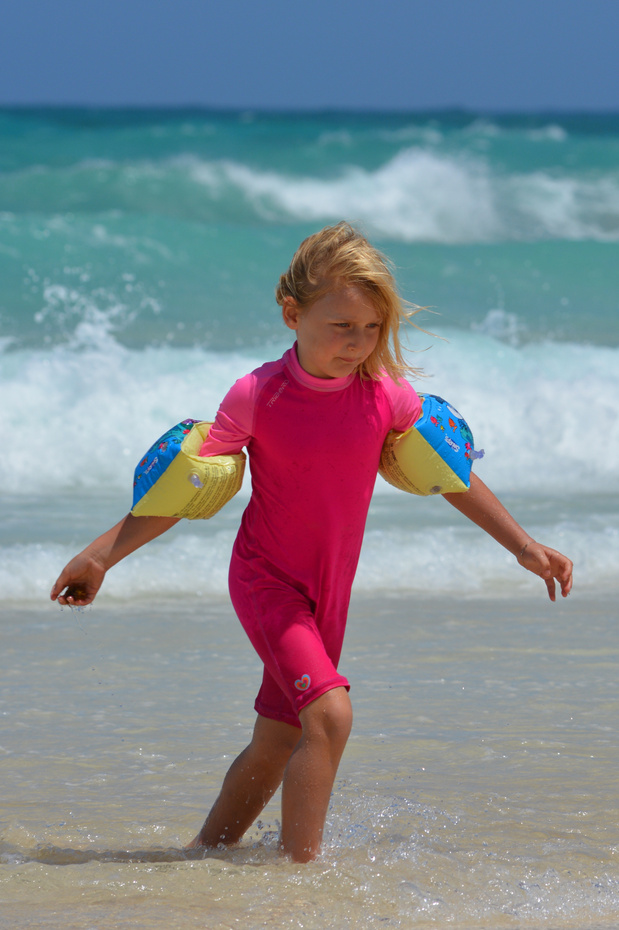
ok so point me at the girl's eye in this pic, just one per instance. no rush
(347, 325)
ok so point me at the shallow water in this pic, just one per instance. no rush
(478, 789)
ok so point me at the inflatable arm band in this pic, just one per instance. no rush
(172, 480)
(434, 456)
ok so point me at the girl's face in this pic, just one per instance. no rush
(336, 333)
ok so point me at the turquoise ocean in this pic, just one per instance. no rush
(139, 252)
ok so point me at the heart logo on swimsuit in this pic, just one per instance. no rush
(303, 683)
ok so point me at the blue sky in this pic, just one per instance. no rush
(375, 54)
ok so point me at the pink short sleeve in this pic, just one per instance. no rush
(232, 428)
(405, 403)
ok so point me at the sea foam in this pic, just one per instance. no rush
(544, 412)
(422, 193)
(425, 196)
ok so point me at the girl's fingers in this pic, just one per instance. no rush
(550, 565)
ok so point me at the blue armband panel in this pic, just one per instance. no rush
(435, 455)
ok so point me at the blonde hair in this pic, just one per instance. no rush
(338, 256)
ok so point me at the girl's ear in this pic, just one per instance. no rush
(291, 312)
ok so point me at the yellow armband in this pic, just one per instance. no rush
(172, 480)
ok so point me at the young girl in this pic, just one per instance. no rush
(314, 423)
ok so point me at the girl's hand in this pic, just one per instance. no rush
(549, 565)
(79, 581)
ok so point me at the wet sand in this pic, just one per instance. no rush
(479, 785)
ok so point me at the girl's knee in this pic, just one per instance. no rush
(274, 741)
(329, 717)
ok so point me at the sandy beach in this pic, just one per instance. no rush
(479, 784)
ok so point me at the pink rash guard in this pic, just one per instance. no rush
(314, 446)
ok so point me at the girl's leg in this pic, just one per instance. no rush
(311, 771)
(251, 781)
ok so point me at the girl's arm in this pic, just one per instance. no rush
(481, 506)
(80, 580)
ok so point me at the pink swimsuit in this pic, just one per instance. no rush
(314, 446)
